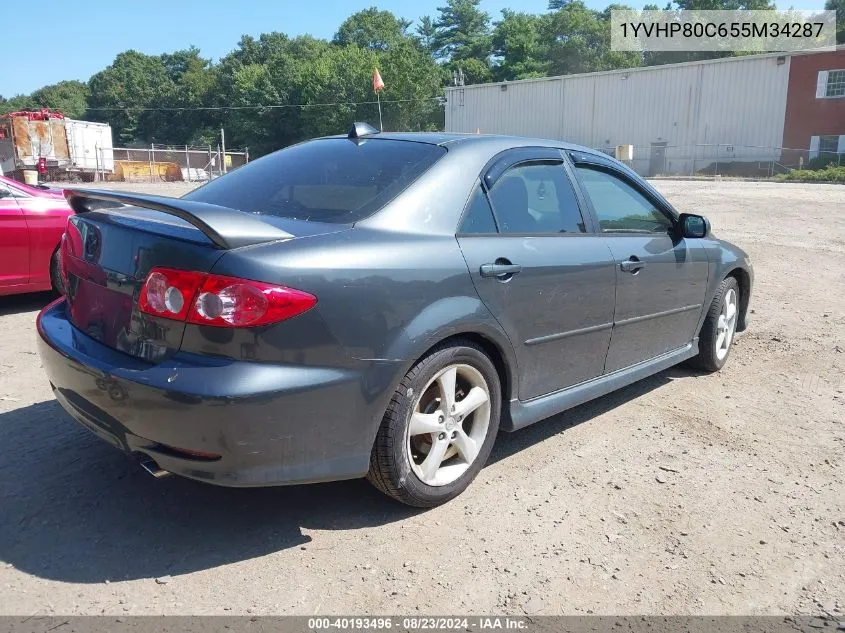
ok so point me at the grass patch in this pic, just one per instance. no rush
(828, 174)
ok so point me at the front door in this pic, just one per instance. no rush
(548, 281)
(661, 279)
(14, 241)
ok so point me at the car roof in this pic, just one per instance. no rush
(465, 140)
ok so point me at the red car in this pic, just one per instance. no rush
(32, 221)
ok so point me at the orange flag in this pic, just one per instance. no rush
(378, 84)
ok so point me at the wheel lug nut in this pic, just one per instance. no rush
(442, 436)
(454, 434)
(440, 419)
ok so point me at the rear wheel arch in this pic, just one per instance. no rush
(505, 366)
(494, 352)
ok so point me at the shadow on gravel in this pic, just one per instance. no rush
(73, 509)
(509, 443)
(15, 304)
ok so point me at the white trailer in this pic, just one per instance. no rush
(89, 146)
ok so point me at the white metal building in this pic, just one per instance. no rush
(680, 118)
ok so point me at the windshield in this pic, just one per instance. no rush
(327, 180)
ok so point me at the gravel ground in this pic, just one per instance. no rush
(682, 494)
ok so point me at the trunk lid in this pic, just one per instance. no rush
(107, 255)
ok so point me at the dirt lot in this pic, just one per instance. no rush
(683, 494)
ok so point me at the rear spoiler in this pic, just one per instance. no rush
(226, 228)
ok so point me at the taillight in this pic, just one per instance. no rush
(168, 293)
(220, 301)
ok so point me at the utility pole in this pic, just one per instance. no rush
(223, 143)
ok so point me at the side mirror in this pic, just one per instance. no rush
(694, 225)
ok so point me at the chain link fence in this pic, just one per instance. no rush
(171, 163)
(723, 159)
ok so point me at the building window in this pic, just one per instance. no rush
(831, 84)
(828, 144)
(835, 83)
(827, 147)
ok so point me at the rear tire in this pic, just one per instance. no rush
(439, 427)
(56, 273)
(719, 328)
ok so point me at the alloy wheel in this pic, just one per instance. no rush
(726, 325)
(448, 424)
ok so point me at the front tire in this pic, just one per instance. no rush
(719, 328)
(439, 427)
(56, 273)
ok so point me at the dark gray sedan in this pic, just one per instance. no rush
(378, 305)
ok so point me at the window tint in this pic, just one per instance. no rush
(536, 198)
(620, 207)
(327, 180)
(479, 215)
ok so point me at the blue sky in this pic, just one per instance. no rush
(80, 38)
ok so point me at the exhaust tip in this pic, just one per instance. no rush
(154, 469)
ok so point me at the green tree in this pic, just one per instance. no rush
(122, 92)
(68, 97)
(463, 40)
(839, 7)
(192, 87)
(413, 83)
(721, 5)
(427, 34)
(373, 29)
(578, 41)
(17, 103)
(518, 46)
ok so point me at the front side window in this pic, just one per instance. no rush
(327, 180)
(835, 83)
(621, 208)
(536, 198)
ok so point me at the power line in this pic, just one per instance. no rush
(265, 107)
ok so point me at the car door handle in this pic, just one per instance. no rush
(499, 270)
(632, 265)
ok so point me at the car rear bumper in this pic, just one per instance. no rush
(270, 424)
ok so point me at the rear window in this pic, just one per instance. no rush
(327, 180)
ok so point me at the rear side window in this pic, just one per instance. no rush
(327, 180)
(479, 216)
(536, 198)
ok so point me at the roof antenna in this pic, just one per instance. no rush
(360, 129)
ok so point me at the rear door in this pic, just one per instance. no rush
(661, 278)
(548, 280)
(14, 241)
